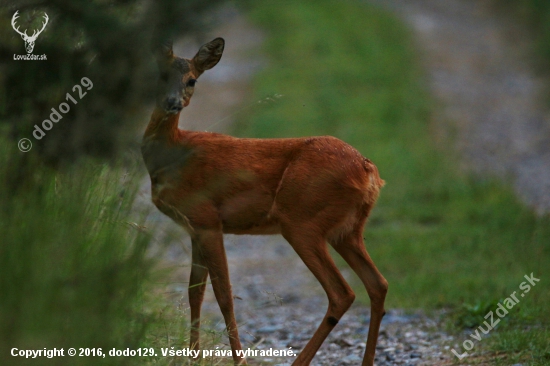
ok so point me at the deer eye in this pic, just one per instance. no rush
(164, 76)
(191, 82)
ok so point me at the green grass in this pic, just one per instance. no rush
(75, 270)
(72, 265)
(440, 236)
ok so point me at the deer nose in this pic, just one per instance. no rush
(173, 105)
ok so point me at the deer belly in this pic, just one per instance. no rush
(249, 214)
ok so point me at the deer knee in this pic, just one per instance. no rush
(338, 305)
(377, 293)
(342, 302)
(349, 299)
(383, 287)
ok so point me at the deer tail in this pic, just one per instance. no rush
(372, 185)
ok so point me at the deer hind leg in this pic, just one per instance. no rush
(352, 249)
(211, 247)
(197, 286)
(312, 249)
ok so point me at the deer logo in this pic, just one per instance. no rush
(29, 40)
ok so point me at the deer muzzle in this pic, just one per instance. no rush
(173, 105)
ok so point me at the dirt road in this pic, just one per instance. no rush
(480, 68)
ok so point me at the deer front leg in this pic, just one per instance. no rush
(197, 286)
(213, 253)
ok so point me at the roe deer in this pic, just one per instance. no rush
(311, 190)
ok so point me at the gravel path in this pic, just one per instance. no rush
(279, 304)
(479, 68)
(282, 305)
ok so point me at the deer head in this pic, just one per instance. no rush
(178, 75)
(29, 40)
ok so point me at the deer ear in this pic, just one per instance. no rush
(209, 55)
(164, 53)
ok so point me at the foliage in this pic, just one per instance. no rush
(536, 13)
(72, 264)
(473, 315)
(110, 42)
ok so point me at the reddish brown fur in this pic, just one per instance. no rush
(311, 190)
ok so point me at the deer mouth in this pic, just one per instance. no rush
(173, 106)
(173, 110)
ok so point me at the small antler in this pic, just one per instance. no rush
(24, 34)
(13, 19)
(36, 33)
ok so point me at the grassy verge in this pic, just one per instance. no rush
(72, 265)
(441, 237)
(75, 271)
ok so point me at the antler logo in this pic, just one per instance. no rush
(29, 40)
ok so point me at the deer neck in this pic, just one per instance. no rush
(162, 126)
(163, 147)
